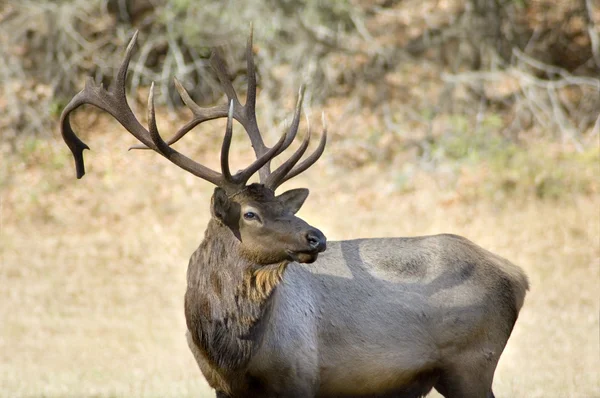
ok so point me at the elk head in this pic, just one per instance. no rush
(265, 224)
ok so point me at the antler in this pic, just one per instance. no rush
(287, 169)
(246, 116)
(114, 101)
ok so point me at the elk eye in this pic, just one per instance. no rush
(250, 215)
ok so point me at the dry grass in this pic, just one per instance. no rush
(92, 272)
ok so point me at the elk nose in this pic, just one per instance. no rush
(316, 240)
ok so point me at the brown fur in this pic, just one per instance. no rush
(223, 309)
(259, 282)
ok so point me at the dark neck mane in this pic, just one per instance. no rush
(227, 299)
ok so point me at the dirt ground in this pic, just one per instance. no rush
(92, 272)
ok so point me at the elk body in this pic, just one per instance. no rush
(273, 310)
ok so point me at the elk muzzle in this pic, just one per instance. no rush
(316, 243)
(316, 240)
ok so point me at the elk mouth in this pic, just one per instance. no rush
(306, 257)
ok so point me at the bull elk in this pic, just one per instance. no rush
(271, 313)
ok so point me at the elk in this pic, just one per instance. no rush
(274, 310)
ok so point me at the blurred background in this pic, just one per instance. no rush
(474, 117)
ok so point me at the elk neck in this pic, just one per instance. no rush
(228, 298)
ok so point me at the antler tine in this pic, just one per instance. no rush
(227, 144)
(250, 123)
(73, 142)
(276, 177)
(201, 114)
(118, 88)
(218, 65)
(251, 72)
(293, 130)
(309, 161)
(161, 146)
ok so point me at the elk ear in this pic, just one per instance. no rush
(221, 206)
(293, 199)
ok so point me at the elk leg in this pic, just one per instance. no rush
(467, 380)
(466, 386)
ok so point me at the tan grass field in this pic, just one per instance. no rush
(92, 272)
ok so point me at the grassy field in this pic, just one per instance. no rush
(92, 272)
